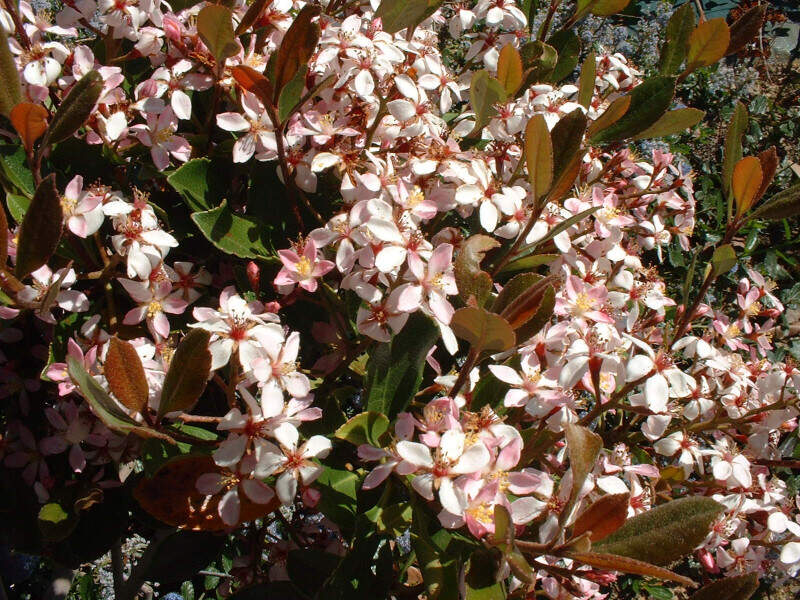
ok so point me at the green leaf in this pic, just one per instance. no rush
(723, 260)
(292, 92)
(338, 500)
(733, 150)
(672, 122)
(481, 582)
(55, 523)
(439, 569)
(528, 249)
(75, 108)
(14, 167)
(17, 206)
(215, 28)
(296, 48)
(568, 47)
(309, 568)
(782, 205)
(364, 428)
(391, 520)
(483, 330)
(104, 406)
(41, 228)
(539, 155)
(10, 89)
(188, 373)
(199, 183)
(233, 234)
(539, 60)
(397, 15)
(394, 370)
(471, 280)
(676, 40)
(528, 262)
(484, 92)
(587, 79)
(649, 101)
(665, 533)
(737, 587)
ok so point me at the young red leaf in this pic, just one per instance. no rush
(607, 514)
(30, 121)
(125, 374)
(611, 562)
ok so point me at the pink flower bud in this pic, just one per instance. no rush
(254, 276)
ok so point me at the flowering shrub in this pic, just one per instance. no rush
(498, 393)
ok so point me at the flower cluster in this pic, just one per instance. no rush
(418, 179)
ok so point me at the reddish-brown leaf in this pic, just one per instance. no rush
(171, 496)
(603, 517)
(30, 121)
(583, 446)
(746, 28)
(125, 374)
(623, 564)
(747, 179)
(769, 165)
(254, 82)
(296, 47)
(615, 111)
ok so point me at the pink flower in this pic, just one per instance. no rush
(159, 135)
(301, 269)
(83, 210)
(432, 285)
(154, 301)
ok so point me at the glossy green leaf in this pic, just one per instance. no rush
(568, 46)
(733, 149)
(14, 170)
(188, 373)
(723, 260)
(672, 122)
(199, 183)
(586, 80)
(539, 60)
(394, 370)
(539, 155)
(41, 228)
(484, 93)
(233, 234)
(664, 533)
(649, 101)
(292, 92)
(364, 428)
(676, 40)
(397, 15)
(75, 108)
